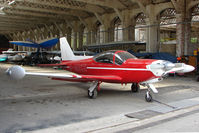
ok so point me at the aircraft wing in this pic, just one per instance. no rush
(44, 44)
(49, 43)
(17, 72)
(77, 78)
(50, 65)
(13, 52)
(24, 43)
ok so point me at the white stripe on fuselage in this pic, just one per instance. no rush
(108, 68)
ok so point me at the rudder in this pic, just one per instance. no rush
(66, 51)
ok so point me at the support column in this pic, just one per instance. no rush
(109, 34)
(93, 36)
(187, 48)
(75, 40)
(129, 31)
(128, 26)
(152, 44)
(180, 7)
(180, 38)
(153, 30)
(80, 34)
(69, 33)
(88, 39)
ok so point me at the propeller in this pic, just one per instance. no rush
(162, 65)
(168, 65)
(181, 68)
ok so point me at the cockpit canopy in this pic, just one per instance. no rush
(113, 57)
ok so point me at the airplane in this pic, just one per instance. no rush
(111, 67)
(13, 56)
(47, 43)
(31, 57)
(7, 55)
(3, 57)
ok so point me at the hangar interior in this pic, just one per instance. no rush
(38, 104)
(164, 25)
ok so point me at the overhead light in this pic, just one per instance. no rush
(12, 2)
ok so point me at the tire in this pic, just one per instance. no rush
(135, 87)
(93, 94)
(148, 97)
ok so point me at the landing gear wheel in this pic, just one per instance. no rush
(92, 94)
(135, 87)
(148, 97)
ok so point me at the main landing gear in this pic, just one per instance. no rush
(93, 90)
(135, 87)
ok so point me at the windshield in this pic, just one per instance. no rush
(126, 55)
(122, 56)
(107, 57)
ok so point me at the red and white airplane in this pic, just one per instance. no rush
(110, 66)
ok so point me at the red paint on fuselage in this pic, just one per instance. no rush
(132, 70)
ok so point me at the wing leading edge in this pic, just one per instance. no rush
(78, 78)
(17, 72)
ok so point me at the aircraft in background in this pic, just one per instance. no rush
(13, 56)
(3, 57)
(10, 56)
(111, 67)
(27, 57)
(45, 44)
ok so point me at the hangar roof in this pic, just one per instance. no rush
(20, 15)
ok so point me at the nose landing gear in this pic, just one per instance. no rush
(148, 97)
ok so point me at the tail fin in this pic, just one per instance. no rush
(66, 51)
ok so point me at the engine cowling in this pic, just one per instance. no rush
(16, 72)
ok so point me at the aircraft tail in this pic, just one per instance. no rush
(66, 51)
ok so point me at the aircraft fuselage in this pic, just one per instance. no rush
(131, 71)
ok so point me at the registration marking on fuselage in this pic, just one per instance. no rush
(111, 68)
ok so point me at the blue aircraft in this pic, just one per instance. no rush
(45, 44)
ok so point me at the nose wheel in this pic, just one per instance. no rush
(148, 97)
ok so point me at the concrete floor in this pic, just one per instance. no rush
(36, 103)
